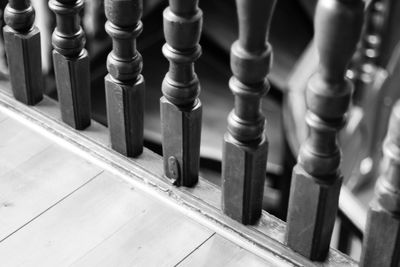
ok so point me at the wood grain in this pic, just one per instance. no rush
(106, 221)
(39, 183)
(218, 251)
(245, 145)
(71, 64)
(22, 46)
(17, 144)
(268, 235)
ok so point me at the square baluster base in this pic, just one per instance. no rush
(125, 111)
(73, 88)
(243, 177)
(25, 65)
(382, 239)
(311, 216)
(181, 132)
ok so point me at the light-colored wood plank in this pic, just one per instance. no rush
(156, 238)
(218, 251)
(39, 183)
(3, 116)
(18, 143)
(106, 219)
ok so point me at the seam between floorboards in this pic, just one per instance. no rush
(101, 242)
(50, 207)
(196, 248)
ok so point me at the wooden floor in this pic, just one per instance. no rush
(57, 209)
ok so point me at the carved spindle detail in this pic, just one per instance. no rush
(382, 236)
(316, 178)
(22, 45)
(181, 110)
(125, 85)
(245, 143)
(71, 63)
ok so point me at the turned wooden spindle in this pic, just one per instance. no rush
(22, 45)
(71, 63)
(316, 178)
(382, 237)
(125, 87)
(181, 110)
(245, 146)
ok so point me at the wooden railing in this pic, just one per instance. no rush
(316, 179)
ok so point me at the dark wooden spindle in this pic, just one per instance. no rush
(181, 110)
(125, 85)
(71, 63)
(245, 143)
(382, 237)
(316, 178)
(22, 45)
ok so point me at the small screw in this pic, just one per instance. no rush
(173, 168)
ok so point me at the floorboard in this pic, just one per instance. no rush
(60, 210)
(218, 251)
(105, 223)
(39, 183)
(18, 143)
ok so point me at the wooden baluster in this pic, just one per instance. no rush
(71, 63)
(382, 237)
(181, 110)
(316, 178)
(124, 84)
(22, 45)
(245, 143)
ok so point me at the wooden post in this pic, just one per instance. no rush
(316, 178)
(245, 143)
(71, 63)
(382, 237)
(124, 83)
(181, 110)
(22, 45)
(363, 66)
